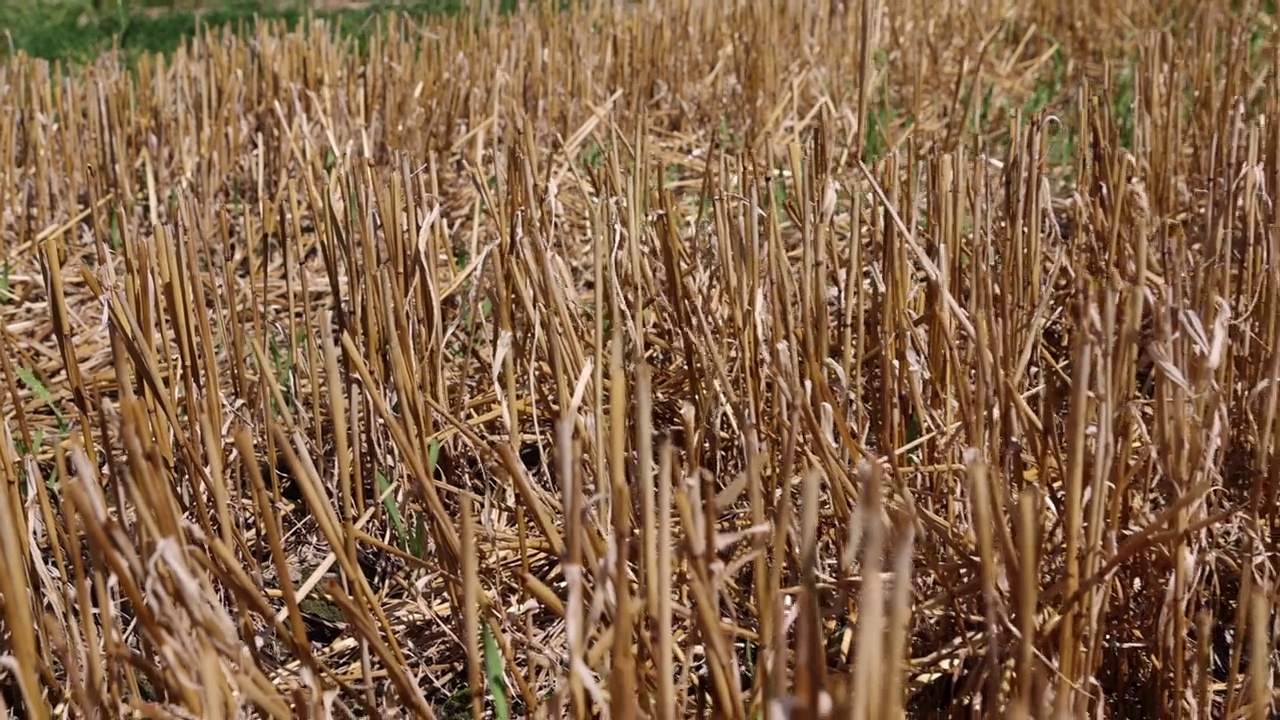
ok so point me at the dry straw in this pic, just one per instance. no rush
(734, 359)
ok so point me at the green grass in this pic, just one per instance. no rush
(75, 31)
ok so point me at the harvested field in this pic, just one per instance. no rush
(736, 359)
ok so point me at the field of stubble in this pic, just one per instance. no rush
(879, 359)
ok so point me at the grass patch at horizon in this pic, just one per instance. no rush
(76, 31)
